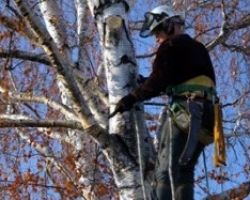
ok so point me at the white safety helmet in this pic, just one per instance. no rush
(156, 16)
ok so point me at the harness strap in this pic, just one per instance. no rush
(183, 88)
(202, 85)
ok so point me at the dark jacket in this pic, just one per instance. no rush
(177, 60)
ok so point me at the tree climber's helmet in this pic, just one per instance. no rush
(157, 16)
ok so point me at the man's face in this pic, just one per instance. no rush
(160, 36)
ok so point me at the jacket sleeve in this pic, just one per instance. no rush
(157, 80)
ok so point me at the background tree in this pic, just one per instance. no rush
(65, 64)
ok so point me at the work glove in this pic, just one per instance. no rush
(125, 104)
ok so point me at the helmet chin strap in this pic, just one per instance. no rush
(172, 26)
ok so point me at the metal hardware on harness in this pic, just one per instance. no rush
(186, 90)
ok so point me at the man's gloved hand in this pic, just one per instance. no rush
(125, 104)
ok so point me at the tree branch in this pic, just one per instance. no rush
(227, 28)
(31, 184)
(55, 24)
(224, 32)
(29, 97)
(236, 100)
(61, 63)
(145, 55)
(7, 121)
(18, 54)
(236, 193)
(237, 48)
(241, 23)
(18, 26)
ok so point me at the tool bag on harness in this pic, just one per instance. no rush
(182, 118)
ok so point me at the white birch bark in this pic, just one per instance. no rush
(83, 33)
(57, 31)
(57, 57)
(91, 93)
(55, 26)
(121, 73)
(54, 23)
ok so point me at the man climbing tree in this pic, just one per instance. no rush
(182, 69)
(64, 66)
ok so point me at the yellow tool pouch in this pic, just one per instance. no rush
(219, 140)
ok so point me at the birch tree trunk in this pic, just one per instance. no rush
(121, 73)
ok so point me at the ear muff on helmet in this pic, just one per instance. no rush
(168, 26)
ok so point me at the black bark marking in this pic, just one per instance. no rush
(126, 31)
(125, 60)
(104, 33)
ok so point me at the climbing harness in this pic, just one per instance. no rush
(198, 88)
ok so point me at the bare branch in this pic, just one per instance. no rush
(29, 97)
(238, 48)
(20, 121)
(146, 55)
(18, 26)
(32, 184)
(41, 99)
(236, 193)
(227, 28)
(237, 100)
(18, 54)
(224, 32)
(241, 23)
